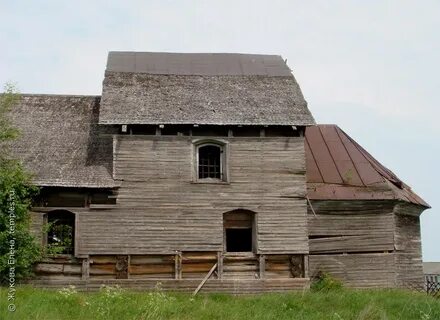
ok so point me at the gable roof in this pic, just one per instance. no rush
(339, 168)
(201, 88)
(60, 141)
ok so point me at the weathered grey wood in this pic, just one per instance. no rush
(367, 270)
(85, 269)
(220, 264)
(408, 255)
(262, 267)
(245, 286)
(157, 187)
(178, 265)
(205, 279)
(306, 266)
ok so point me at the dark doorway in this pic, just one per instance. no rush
(239, 240)
(239, 231)
(61, 232)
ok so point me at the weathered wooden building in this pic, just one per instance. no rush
(194, 166)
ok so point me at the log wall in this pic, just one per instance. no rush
(161, 209)
(408, 254)
(237, 272)
(366, 243)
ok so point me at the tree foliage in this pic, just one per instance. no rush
(18, 248)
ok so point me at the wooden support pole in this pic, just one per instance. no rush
(128, 266)
(178, 265)
(205, 279)
(220, 264)
(85, 269)
(262, 265)
(262, 132)
(306, 265)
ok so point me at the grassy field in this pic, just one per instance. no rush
(114, 303)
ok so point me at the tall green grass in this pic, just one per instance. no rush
(115, 303)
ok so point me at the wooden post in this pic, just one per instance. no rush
(220, 264)
(85, 273)
(128, 266)
(262, 132)
(306, 265)
(262, 265)
(178, 265)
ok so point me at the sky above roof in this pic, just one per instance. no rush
(371, 67)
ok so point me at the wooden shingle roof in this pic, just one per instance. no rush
(60, 141)
(192, 88)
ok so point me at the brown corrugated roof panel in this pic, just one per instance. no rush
(338, 168)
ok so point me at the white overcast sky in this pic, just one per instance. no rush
(372, 67)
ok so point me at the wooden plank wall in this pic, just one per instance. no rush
(353, 241)
(62, 267)
(37, 226)
(160, 209)
(408, 255)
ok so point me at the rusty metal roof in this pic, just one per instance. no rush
(203, 64)
(339, 168)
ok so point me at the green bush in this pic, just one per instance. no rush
(325, 282)
(18, 248)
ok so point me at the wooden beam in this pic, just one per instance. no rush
(85, 269)
(262, 265)
(205, 279)
(220, 264)
(306, 265)
(178, 266)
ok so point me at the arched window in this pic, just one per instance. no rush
(61, 232)
(210, 161)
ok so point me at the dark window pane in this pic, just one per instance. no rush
(209, 162)
(239, 240)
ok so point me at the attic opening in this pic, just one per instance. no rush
(60, 232)
(239, 231)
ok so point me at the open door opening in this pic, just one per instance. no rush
(239, 231)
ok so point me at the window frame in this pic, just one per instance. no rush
(224, 154)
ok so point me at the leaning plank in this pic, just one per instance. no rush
(205, 279)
